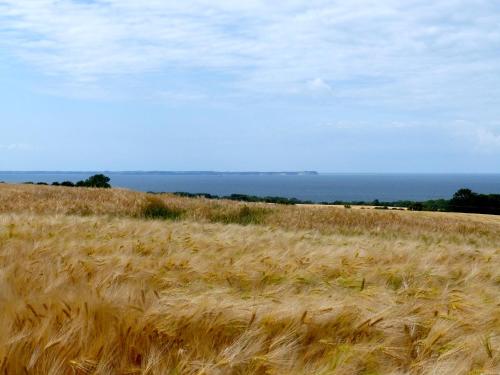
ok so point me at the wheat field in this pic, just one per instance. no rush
(88, 285)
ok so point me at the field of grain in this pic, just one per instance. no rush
(90, 285)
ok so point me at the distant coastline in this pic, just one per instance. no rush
(177, 173)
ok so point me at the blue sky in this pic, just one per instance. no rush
(334, 86)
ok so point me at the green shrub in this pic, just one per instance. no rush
(155, 208)
(416, 206)
(244, 216)
(96, 181)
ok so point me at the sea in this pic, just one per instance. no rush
(321, 187)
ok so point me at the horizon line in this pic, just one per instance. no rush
(311, 172)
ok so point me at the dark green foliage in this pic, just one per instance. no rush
(416, 206)
(465, 200)
(436, 205)
(244, 198)
(196, 195)
(244, 216)
(95, 181)
(464, 195)
(155, 208)
(347, 206)
(251, 215)
(253, 198)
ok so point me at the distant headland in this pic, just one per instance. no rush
(224, 173)
(178, 173)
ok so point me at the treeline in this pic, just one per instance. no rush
(288, 201)
(464, 200)
(245, 198)
(95, 181)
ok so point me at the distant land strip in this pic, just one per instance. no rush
(175, 173)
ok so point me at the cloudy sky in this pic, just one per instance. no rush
(334, 86)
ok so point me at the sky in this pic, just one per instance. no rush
(333, 86)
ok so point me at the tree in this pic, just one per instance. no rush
(97, 181)
(463, 195)
(416, 206)
(464, 200)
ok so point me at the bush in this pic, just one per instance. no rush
(347, 206)
(416, 206)
(244, 216)
(95, 181)
(268, 199)
(155, 208)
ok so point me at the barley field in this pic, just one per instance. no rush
(120, 282)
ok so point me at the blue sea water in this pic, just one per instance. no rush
(317, 188)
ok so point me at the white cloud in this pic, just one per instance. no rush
(319, 86)
(416, 51)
